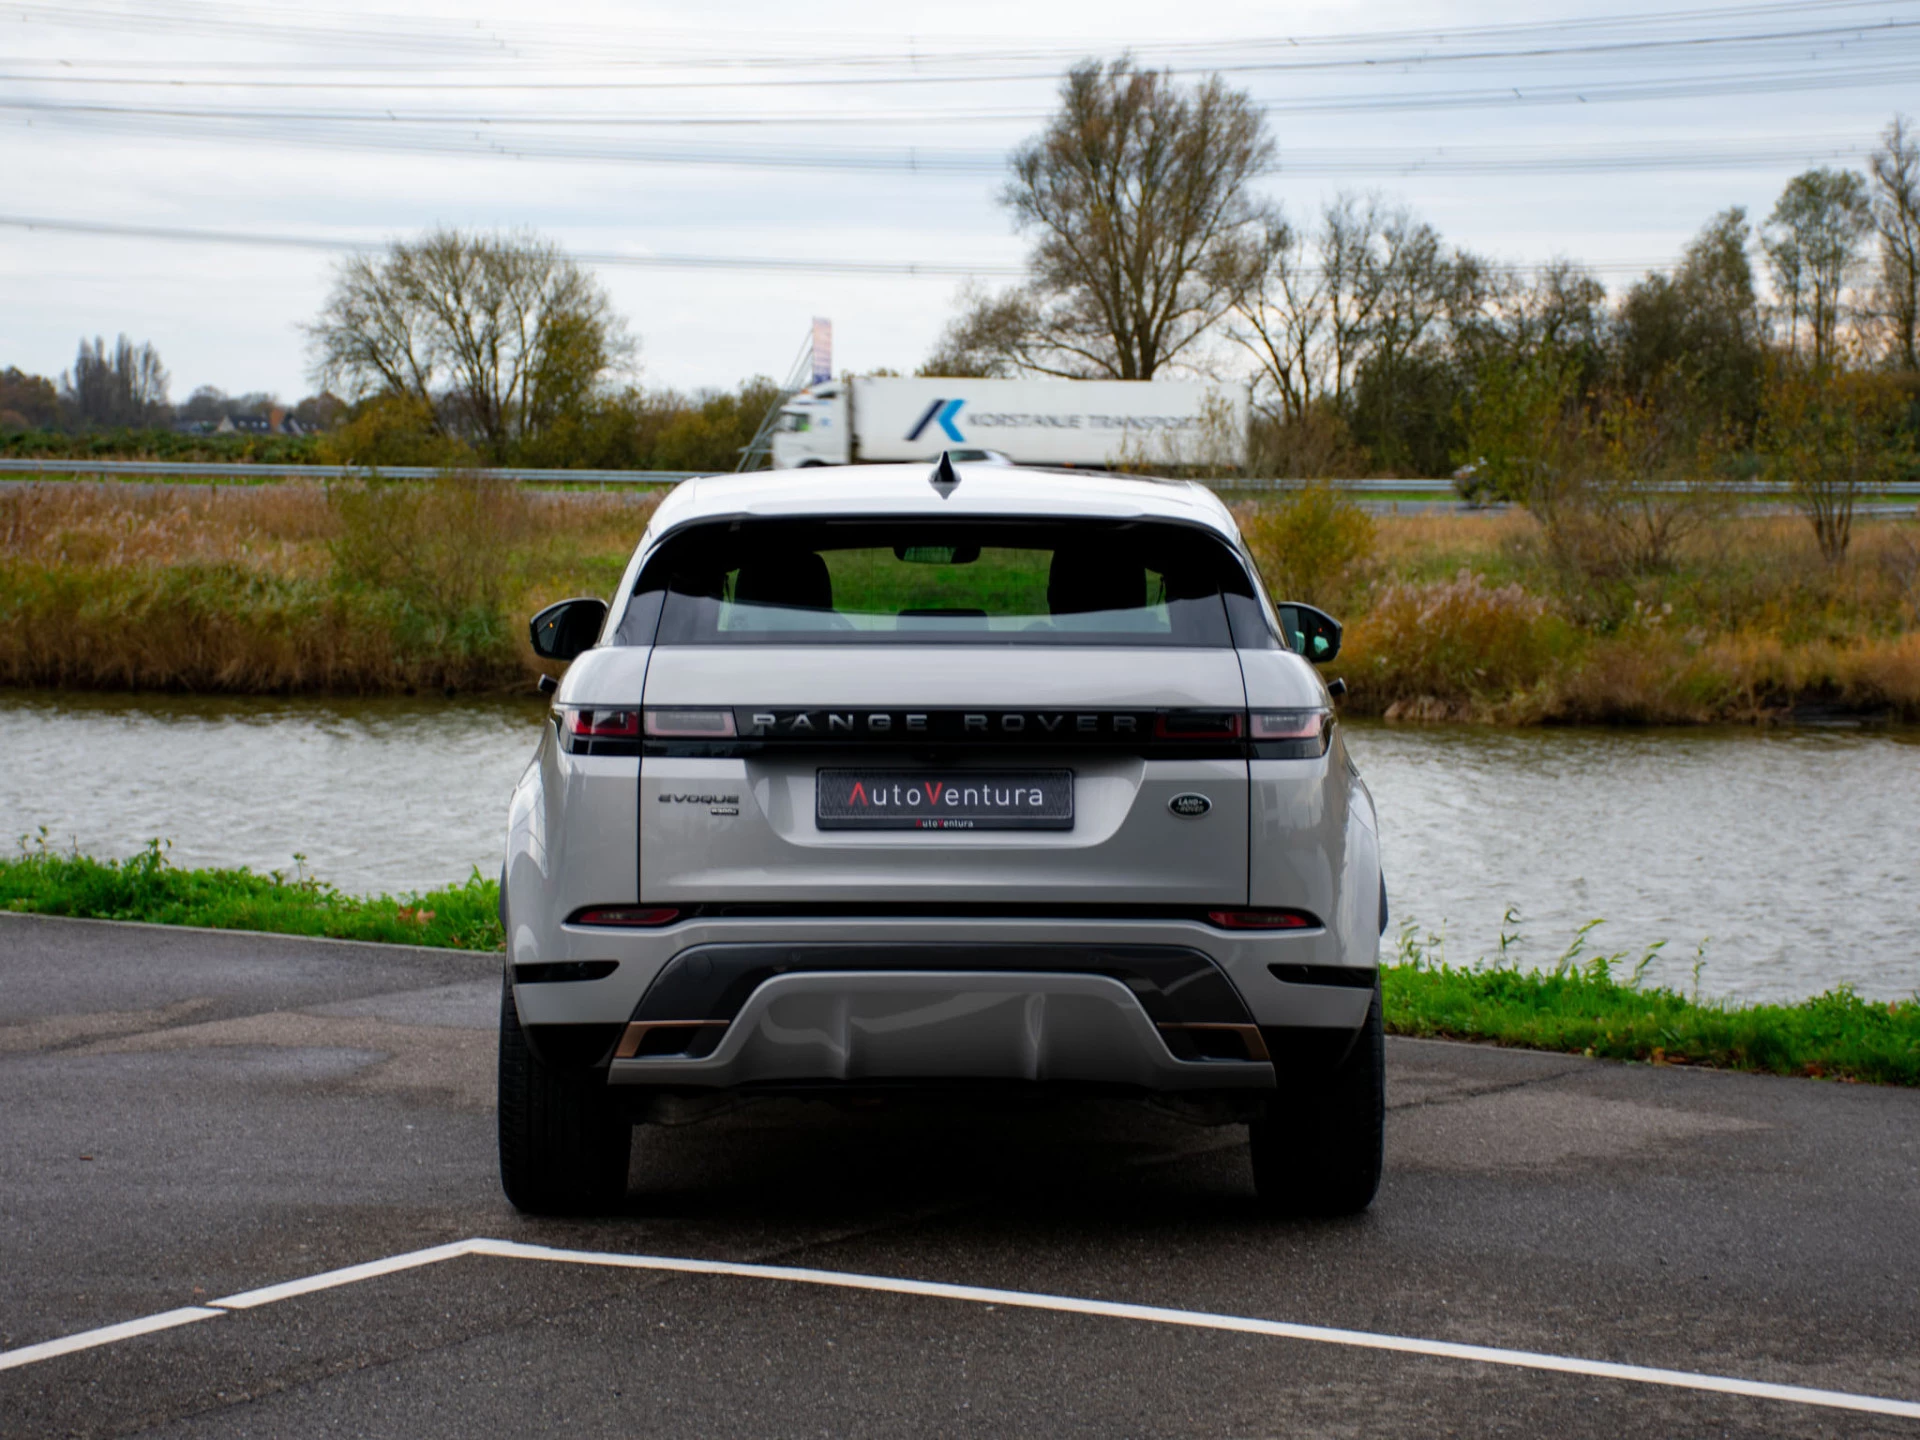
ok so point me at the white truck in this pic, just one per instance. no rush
(1093, 423)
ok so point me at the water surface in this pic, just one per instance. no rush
(1791, 854)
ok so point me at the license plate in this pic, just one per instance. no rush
(943, 800)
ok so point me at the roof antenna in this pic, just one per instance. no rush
(943, 479)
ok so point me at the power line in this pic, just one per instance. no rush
(901, 269)
(1638, 49)
(496, 137)
(936, 270)
(606, 42)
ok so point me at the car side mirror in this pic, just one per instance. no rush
(563, 630)
(1314, 633)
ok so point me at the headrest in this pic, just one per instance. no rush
(1083, 580)
(795, 579)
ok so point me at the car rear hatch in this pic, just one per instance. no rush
(1072, 778)
(858, 717)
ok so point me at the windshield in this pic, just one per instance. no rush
(913, 581)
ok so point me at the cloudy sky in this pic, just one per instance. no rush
(188, 165)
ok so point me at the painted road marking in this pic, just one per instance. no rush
(978, 1295)
(105, 1335)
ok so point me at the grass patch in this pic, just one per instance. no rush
(1582, 1004)
(1585, 1004)
(43, 881)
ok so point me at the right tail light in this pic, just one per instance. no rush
(1290, 734)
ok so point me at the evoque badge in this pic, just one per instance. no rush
(1190, 806)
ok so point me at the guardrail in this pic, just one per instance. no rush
(242, 470)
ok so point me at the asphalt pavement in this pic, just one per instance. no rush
(188, 1116)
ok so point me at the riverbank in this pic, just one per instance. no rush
(1592, 1005)
(409, 589)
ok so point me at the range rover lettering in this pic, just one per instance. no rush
(869, 779)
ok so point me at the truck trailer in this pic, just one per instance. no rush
(1098, 424)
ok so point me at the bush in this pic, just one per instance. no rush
(394, 430)
(1309, 544)
(1444, 650)
(442, 552)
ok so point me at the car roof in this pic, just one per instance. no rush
(984, 490)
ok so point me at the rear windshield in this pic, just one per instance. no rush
(878, 582)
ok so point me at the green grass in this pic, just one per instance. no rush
(1582, 1004)
(43, 881)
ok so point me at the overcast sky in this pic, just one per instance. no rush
(875, 137)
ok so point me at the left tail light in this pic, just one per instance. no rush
(600, 724)
(588, 730)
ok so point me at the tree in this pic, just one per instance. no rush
(1138, 196)
(1699, 328)
(498, 337)
(1832, 437)
(1308, 305)
(1813, 249)
(127, 391)
(1895, 168)
(27, 402)
(1404, 394)
(982, 341)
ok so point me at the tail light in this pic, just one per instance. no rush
(690, 724)
(1291, 734)
(600, 724)
(628, 916)
(1263, 920)
(1198, 725)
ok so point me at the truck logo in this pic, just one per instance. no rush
(943, 411)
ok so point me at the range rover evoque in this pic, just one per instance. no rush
(876, 778)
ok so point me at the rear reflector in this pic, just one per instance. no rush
(690, 724)
(1262, 919)
(628, 915)
(602, 724)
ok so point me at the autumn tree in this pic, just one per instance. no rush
(1895, 168)
(1812, 243)
(1138, 198)
(494, 339)
(126, 389)
(1833, 437)
(1697, 334)
(27, 402)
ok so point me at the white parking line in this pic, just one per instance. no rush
(977, 1295)
(105, 1335)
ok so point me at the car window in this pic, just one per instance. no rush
(912, 581)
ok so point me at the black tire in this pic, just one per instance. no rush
(1319, 1147)
(564, 1141)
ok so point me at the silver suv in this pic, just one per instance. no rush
(871, 778)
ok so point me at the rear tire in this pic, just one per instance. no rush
(1318, 1149)
(564, 1141)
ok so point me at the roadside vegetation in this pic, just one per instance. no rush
(43, 881)
(394, 588)
(353, 588)
(1585, 1003)
(1492, 617)
(1591, 1003)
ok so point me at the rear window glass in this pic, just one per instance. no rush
(916, 582)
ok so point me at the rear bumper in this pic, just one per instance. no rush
(1125, 1002)
(1246, 958)
(827, 1026)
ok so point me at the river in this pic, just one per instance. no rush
(1790, 854)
